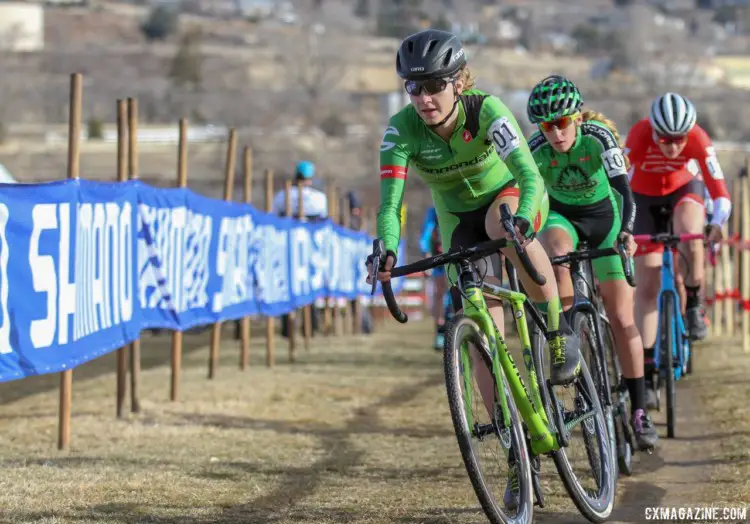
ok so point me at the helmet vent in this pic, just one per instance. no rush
(430, 47)
(447, 58)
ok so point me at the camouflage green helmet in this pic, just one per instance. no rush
(552, 98)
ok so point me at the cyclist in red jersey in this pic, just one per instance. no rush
(668, 153)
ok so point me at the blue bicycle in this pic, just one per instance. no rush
(672, 354)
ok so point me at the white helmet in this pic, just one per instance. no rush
(672, 115)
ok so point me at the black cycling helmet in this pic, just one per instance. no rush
(430, 54)
(552, 98)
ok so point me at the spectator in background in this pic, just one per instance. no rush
(314, 200)
(356, 223)
(355, 211)
(315, 208)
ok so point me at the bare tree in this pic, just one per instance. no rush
(314, 63)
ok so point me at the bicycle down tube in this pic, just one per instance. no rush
(668, 287)
(542, 439)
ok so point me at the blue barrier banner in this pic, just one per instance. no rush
(85, 266)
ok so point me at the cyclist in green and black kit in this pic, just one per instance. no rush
(585, 172)
(468, 148)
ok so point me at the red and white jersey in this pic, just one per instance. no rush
(653, 174)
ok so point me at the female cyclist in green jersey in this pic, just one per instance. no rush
(585, 172)
(468, 148)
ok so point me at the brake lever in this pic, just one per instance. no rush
(378, 247)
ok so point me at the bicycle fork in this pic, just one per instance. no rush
(676, 325)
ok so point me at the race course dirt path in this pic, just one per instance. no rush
(357, 431)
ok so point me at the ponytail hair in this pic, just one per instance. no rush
(599, 117)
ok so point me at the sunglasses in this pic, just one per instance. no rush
(431, 86)
(669, 140)
(561, 123)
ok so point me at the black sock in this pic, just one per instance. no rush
(648, 362)
(637, 390)
(693, 298)
(440, 328)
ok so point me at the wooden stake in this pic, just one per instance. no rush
(135, 346)
(270, 321)
(330, 301)
(247, 168)
(745, 261)
(291, 318)
(213, 360)
(177, 336)
(122, 176)
(74, 140)
(306, 310)
(346, 312)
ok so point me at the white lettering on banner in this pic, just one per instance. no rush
(5, 346)
(232, 261)
(346, 280)
(335, 262)
(272, 265)
(181, 242)
(103, 253)
(321, 258)
(300, 260)
(100, 295)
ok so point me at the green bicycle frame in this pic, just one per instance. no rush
(530, 407)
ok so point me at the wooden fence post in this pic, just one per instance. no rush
(306, 310)
(745, 277)
(247, 167)
(177, 335)
(74, 155)
(270, 321)
(291, 318)
(345, 216)
(122, 176)
(135, 346)
(213, 359)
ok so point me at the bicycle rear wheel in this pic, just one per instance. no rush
(667, 326)
(505, 441)
(620, 403)
(586, 466)
(583, 324)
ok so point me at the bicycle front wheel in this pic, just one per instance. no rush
(586, 466)
(495, 450)
(667, 327)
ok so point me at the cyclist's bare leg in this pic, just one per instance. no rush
(534, 249)
(690, 218)
(557, 242)
(481, 372)
(679, 284)
(438, 305)
(618, 302)
(648, 276)
(563, 343)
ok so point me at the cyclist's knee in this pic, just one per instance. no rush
(492, 224)
(689, 217)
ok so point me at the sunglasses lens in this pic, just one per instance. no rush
(669, 140)
(434, 86)
(560, 123)
(431, 87)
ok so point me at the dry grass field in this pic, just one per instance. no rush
(357, 431)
